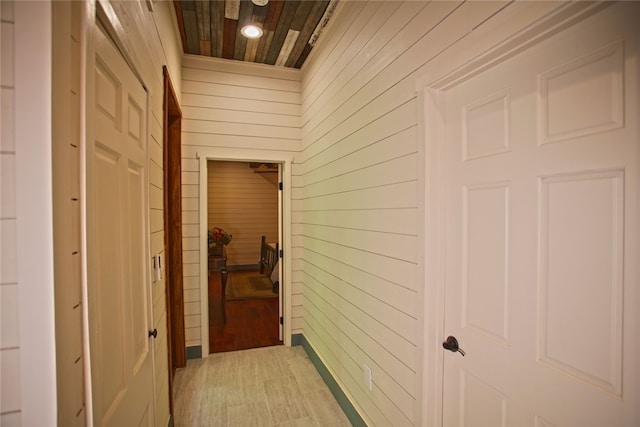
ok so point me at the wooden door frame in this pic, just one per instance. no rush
(172, 124)
(510, 33)
(285, 159)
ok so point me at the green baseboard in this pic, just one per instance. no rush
(296, 339)
(194, 352)
(348, 409)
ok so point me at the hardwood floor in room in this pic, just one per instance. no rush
(251, 323)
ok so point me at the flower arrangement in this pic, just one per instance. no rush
(218, 236)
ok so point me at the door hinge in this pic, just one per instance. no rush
(280, 186)
(281, 320)
(281, 253)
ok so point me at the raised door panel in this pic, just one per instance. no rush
(117, 245)
(541, 243)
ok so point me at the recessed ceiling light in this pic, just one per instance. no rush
(260, 2)
(251, 31)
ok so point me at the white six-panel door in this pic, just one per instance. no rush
(541, 178)
(120, 353)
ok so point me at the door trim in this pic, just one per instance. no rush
(172, 123)
(512, 31)
(228, 154)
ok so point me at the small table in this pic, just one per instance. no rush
(218, 261)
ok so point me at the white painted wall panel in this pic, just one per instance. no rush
(356, 216)
(10, 387)
(317, 65)
(9, 314)
(191, 124)
(8, 178)
(190, 269)
(239, 106)
(191, 250)
(35, 359)
(204, 87)
(356, 156)
(251, 78)
(241, 142)
(255, 118)
(9, 273)
(357, 206)
(66, 200)
(150, 40)
(407, 26)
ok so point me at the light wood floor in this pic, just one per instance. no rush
(270, 386)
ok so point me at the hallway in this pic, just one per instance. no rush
(259, 387)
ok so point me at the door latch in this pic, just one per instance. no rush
(451, 344)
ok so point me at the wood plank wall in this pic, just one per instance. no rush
(66, 202)
(230, 105)
(359, 205)
(245, 204)
(360, 185)
(151, 46)
(9, 339)
(357, 190)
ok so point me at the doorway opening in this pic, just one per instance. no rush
(284, 161)
(243, 216)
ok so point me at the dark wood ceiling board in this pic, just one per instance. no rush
(231, 9)
(229, 37)
(274, 10)
(205, 47)
(212, 28)
(302, 12)
(293, 34)
(246, 12)
(282, 29)
(193, 44)
(259, 14)
(258, 18)
(251, 50)
(244, 18)
(183, 37)
(303, 56)
(217, 27)
(240, 45)
(314, 16)
(203, 16)
(263, 46)
(191, 26)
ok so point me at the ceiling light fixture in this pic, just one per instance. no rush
(260, 2)
(251, 31)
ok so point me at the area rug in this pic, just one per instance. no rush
(242, 286)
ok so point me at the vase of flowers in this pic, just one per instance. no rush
(217, 239)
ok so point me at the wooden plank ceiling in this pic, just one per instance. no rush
(291, 28)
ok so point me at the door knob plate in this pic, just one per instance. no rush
(451, 344)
